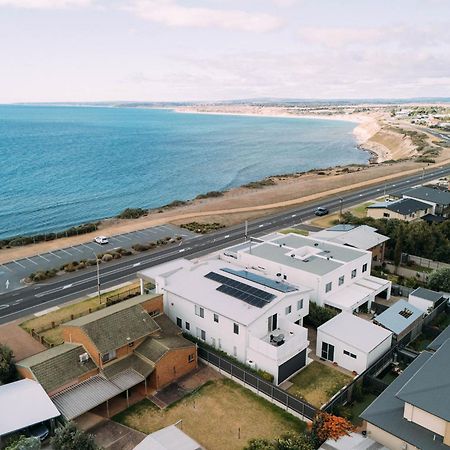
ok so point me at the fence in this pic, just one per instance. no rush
(428, 263)
(258, 385)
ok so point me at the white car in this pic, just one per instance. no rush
(101, 240)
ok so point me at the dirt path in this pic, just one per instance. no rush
(19, 341)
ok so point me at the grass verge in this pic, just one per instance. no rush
(295, 231)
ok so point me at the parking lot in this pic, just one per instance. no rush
(13, 272)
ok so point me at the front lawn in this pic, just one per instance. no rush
(215, 416)
(317, 383)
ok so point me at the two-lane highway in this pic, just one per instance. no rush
(35, 298)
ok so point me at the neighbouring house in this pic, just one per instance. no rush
(413, 411)
(406, 209)
(129, 345)
(439, 200)
(402, 318)
(168, 438)
(363, 237)
(425, 299)
(351, 342)
(439, 340)
(23, 404)
(251, 316)
(338, 275)
(353, 441)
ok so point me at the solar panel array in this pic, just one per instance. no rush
(249, 294)
(273, 284)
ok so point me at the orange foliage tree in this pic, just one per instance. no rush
(327, 426)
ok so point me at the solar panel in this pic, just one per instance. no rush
(241, 291)
(273, 284)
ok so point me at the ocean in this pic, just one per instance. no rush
(62, 166)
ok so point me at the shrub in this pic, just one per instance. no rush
(7, 367)
(140, 247)
(259, 184)
(266, 376)
(132, 213)
(318, 315)
(211, 194)
(175, 204)
(107, 257)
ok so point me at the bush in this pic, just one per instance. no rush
(23, 443)
(175, 204)
(439, 280)
(8, 371)
(107, 257)
(140, 247)
(202, 228)
(68, 437)
(259, 184)
(211, 194)
(318, 315)
(132, 213)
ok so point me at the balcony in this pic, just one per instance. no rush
(286, 341)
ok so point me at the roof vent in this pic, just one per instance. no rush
(84, 357)
(316, 244)
(292, 255)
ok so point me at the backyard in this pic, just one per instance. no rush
(317, 383)
(221, 415)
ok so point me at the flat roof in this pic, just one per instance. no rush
(429, 387)
(399, 316)
(190, 283)
(427, 294)
(24, 403)
(357, 332)
(386, 412)
(168, 438)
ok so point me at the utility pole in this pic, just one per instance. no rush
(246, 229)
(423, 173)
(341, 201)
(98, 277)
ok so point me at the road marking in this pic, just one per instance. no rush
(19, 300)
(181, 250)
(67, 286)
(18, 263)
(51, 253)
(77, 249)
(7, 284)
(136, 264)
(226, 236)
(260, 226)
(294, 215)
(32, 261)
(40, 256)
(6, 267)
(4, 306)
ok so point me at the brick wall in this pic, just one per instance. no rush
(77, 336)
(154, 305)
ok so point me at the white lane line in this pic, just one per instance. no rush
(181, 250)
(136, 264)
(76, 249)
(32, 261)
(4, 306)
(18, 263)
(6, 267)
(126, 237)
(260, 226)
(226, 236)
(90, 248)
(40, 256)
(19, 300)
(51, 253)
(67, 286)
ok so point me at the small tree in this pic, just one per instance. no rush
(24, 443)
(439, 280)
(326, 426)
(7, 367)
(318, 315)
(69, 437)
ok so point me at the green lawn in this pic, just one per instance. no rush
(317, 383)
(296, 231)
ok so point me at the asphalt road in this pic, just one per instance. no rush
(36, 298)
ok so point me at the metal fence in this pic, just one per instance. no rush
(260, 386)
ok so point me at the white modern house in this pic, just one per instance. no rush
(338, 275)
(425, 299)
(249, 315)
(351, 342)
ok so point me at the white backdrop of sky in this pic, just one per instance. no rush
(183, 50)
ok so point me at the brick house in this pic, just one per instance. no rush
(130, 345)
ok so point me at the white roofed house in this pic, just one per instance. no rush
(425, 299)
(338, 275)
(251, 316)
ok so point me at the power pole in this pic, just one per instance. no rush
(246, 230)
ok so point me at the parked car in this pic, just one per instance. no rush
(39, 431)
(101, 240)
(321, 211)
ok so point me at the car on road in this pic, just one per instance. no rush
(101, 240)
(321, 211)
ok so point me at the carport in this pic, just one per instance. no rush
(24, 403)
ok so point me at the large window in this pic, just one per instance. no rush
(327, 351)
(201, 334)
(272, 322)
(199, 311)
(328, 286)
(341, 280)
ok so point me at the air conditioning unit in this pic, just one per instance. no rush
(84, 357)
(251, 363)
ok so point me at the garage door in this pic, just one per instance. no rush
(291, 366)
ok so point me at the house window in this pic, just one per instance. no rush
(327, 351)
(201, 334)
(341, 280)
(299, 304)
(288, 309)
(199, 311)
(188, 326)
(353, 273)
(191, 357)
(235, 328)
(216, 318)
(108, 356)
(328, 286)
(179, 322)
(352, 355)
(364, 268)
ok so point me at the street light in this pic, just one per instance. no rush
(98, 276)
(341, 201)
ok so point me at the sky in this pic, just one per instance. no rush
(212, 50)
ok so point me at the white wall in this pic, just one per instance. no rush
(424, 419)
(379, 351)
(420, 303)
(387, 439)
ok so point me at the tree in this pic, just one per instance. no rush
(288, 441)
(24, 443)
(439, 280)
(326, 426)
(69, 437)
(7, 367)
(318, 315)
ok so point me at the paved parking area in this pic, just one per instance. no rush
(13, 272)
